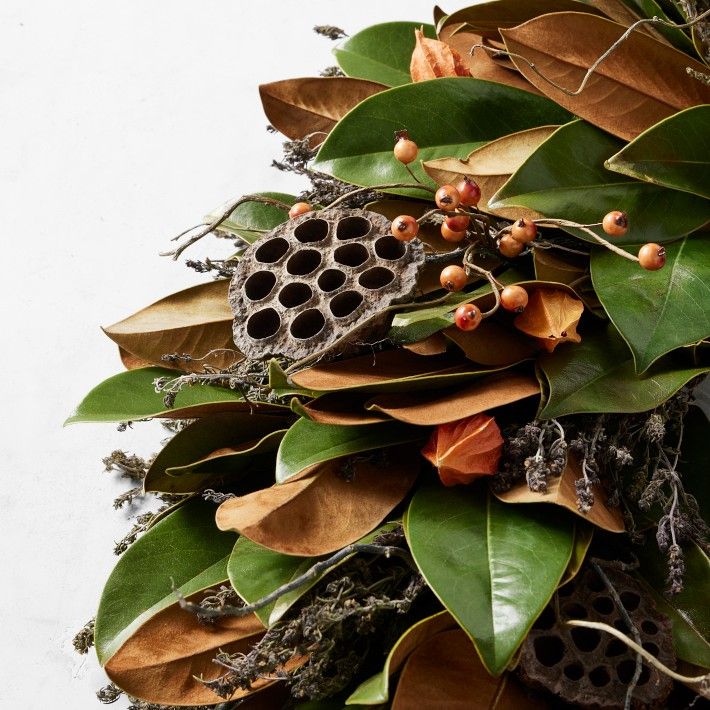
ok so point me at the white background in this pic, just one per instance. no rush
(121, 123)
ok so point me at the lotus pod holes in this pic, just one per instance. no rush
(319, 279)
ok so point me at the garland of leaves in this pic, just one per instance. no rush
(557, 392)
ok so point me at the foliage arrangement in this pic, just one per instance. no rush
(459, 457)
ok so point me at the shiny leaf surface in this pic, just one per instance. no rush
(307, 443)
(251, 219)
(185, 548)
(131, 395)
(657, 311)
(674, 153)
(598, 376)
(565, 178)
(445, 117)
(494, 566)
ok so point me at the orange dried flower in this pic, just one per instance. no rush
(433, 59)
(465, 450)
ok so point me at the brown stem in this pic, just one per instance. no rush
(389, 186)
(223, 216)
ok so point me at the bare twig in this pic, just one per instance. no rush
(644, 21)
(388, 186)
(223, 216)
(308, 576)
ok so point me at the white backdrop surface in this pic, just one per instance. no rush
(121, 124)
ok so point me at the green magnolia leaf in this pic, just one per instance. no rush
(445, 117)
(688, 610)
(131, 395)
(598, 376)
(185, 550)
(493, 566)
(375, 689)
(251, 219)
(255, 571)
(245, 443)
(417, 324)
(307, 443)
(674, 153)
(657, 311)
(565, 178)
(382, 52)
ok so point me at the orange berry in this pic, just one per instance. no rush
(404, 228)
(615, 223)
(405, 150)
(514, 298)
(452, 235)
(453, 278)
(652, 256)
(467, 317)
(298, 209)
(509, 247)
(523, 231)
(457, 222)
(447, 198)
(470, 192)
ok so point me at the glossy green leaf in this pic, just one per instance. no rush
(674, 153)
(307, 443)
(131, 395)
(688, 610)
(493, 566)
(657, 311)
(375, 689)
(417, 324)
(186, 549)
(251, 219)
(255, 571)
(183, 465)
(565, 178)
(598, 376)
(446, 117)
(381, 52)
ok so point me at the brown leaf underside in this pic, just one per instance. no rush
(323, 512)
(642, 82)
(551, 316)
(194, 321)
(159, 661)
(560, 491)
(300, 107)
(432, 59)
(445, 672)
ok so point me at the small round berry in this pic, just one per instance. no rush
(615, 223)
(298, 209)
(404, 228)
(470, 192)
(509, 247)
(514, 298)
(451, 235)
(457, 222)
(453, 278)
(652, 256)
(405, 150)
(467, 317)
(447, 198)
(523, 231)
